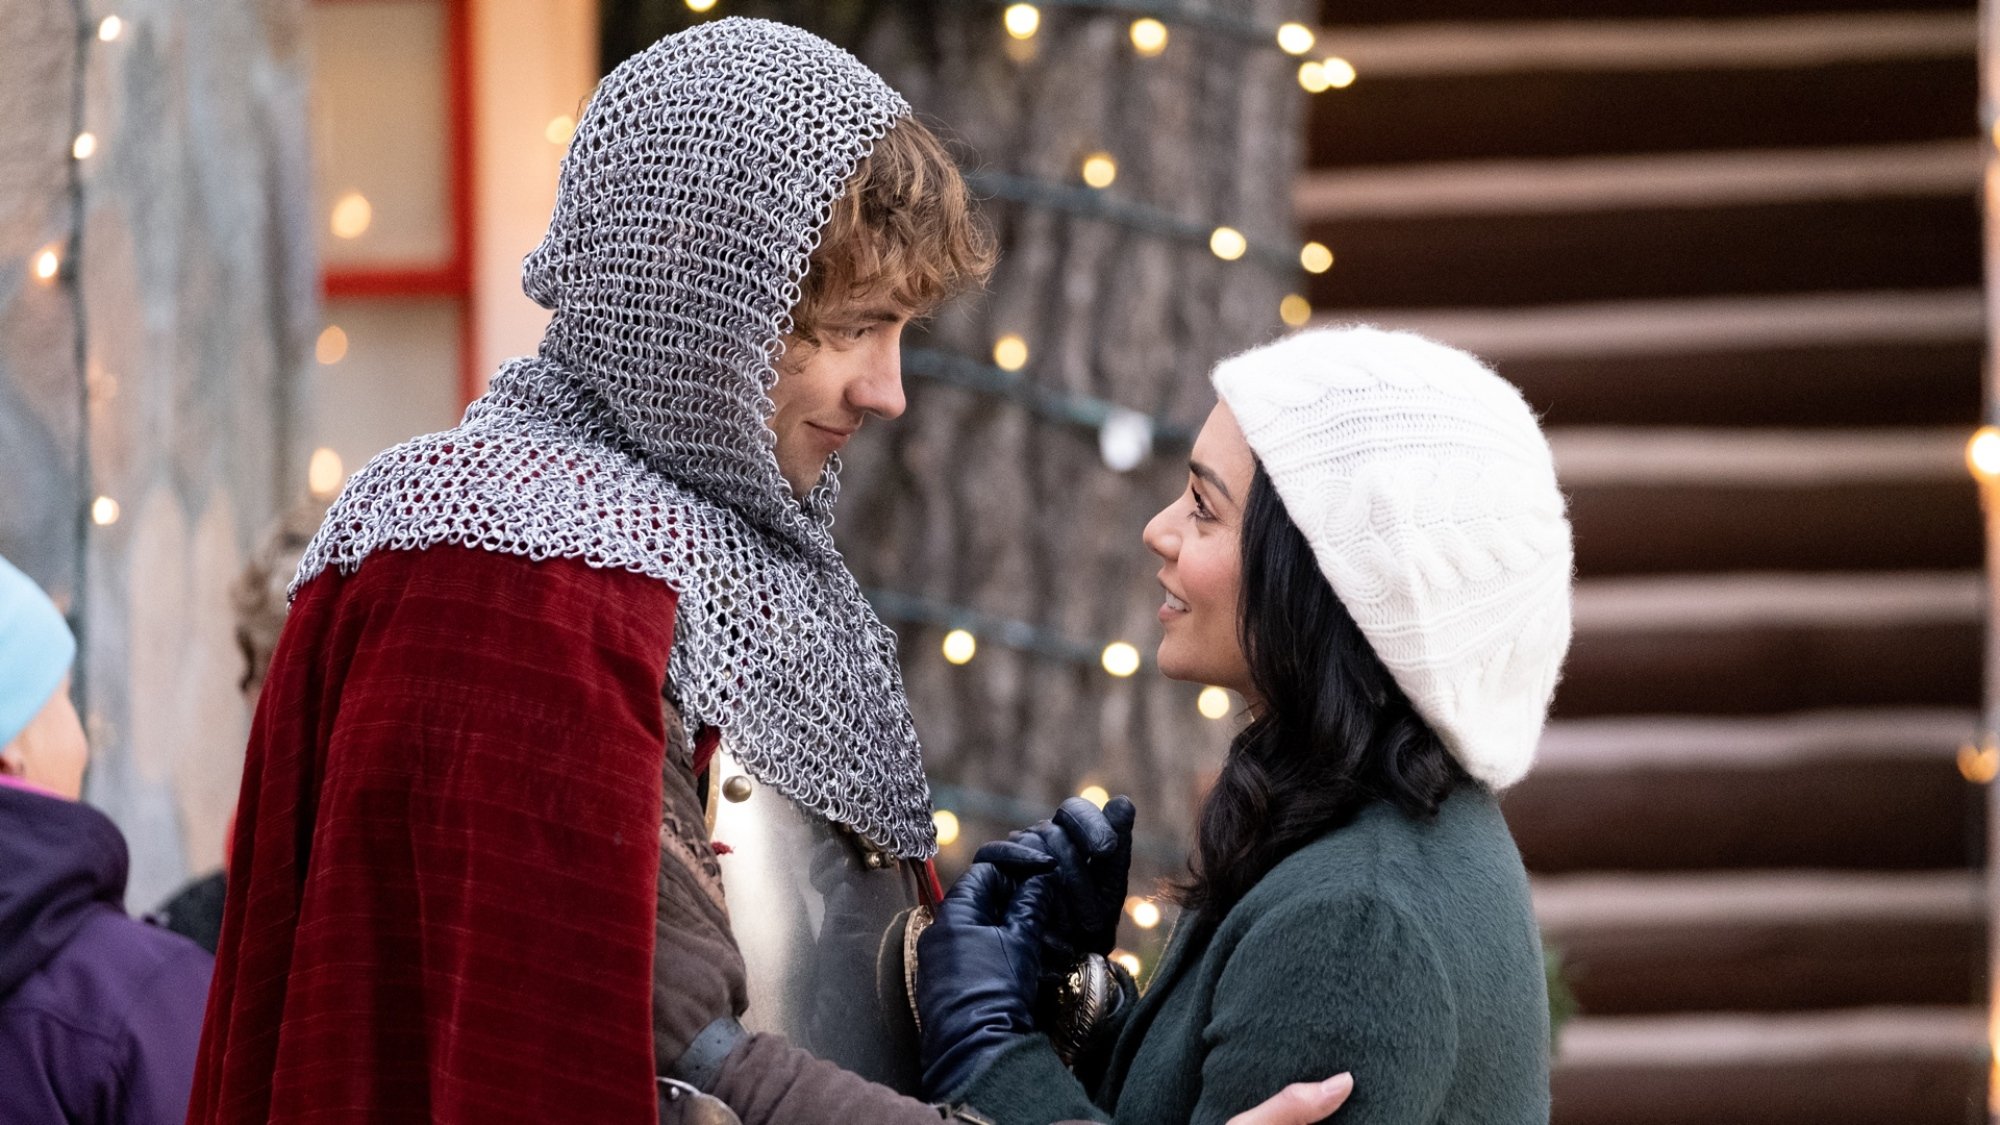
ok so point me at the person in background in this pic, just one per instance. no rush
(195, 910)
(99, 1012)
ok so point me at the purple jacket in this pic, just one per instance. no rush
(99, 1014)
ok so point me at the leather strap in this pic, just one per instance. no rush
(700, 1065)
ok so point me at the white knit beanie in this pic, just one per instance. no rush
(1428, 494)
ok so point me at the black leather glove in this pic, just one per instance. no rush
(978, 965)
(1091, 850)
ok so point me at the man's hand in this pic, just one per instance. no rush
(1301, 1103)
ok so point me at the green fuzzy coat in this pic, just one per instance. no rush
(1405, 952)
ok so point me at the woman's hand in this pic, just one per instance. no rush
(1301, 1103)
(1090, 851)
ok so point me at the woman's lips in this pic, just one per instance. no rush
(1173, 607)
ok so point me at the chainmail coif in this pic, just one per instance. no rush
(690, 202)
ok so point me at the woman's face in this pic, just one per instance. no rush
(1197, 538)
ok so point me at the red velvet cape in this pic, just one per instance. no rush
(441, 895)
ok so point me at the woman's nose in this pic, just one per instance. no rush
(1159, 539)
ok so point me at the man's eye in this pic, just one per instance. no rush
(854, 334)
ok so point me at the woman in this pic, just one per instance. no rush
(1372, 550)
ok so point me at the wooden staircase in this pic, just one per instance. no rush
(1731, 250)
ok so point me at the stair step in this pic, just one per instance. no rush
(1392, 119)
(1856, 790)
(1341, 14)
(1912, 1066)
(1836, 359)
(1659, 500)
(1823, 245)
(1521, 187)
(1765, 941)
(1748, 643)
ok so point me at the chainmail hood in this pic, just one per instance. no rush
(690, 203)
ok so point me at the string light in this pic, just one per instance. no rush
(947, 827)
(352, 214)
(104, 511)
(110, 28)
(1982, 453)
(1228, 243)
(1145, 913)
(1979, 764)
(1099, 170)
(1312, 76)
(1095, 794)
(325, 473)
(1340, 73)
(1295, 38)
(47, 265)
(84, 146)
(331, 347)
(1295, 311)
(1120, 659)
(1315, 257)
(1125, 439)
(1022, 20)
(1149, 37)
(1010, 353)
(560, 129)
(1127, 961)
(699, 6)
(960, 646)
(1213, 703)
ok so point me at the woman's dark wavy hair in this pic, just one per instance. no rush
(1336, 733)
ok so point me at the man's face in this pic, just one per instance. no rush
(827, 389)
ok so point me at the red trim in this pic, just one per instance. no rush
(416, 281)
(453, 277)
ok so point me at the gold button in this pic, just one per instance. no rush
(737, 789)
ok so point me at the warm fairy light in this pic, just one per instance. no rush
(1979, 764)
(1149, 37)
(110, 29)
(1315, 257)
(1099, 170)
(1213, 703)
(960, 646)
(1095, 794)
(1982, 453)
(352, 213)
(700, 5)
(1340, 73)
(47, 265)
(84, 146)
(1228, 243)
(1120, 659)
(331, 347)
(1312, 76)
(947, 827)
(1295, 38)
(1127, 961)
(1022, 20)
(325, 474)
(1145, 914)
(1010, 353)
(1295, 311)
(560, 129)
(104, 511)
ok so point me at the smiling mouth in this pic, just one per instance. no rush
(1172, 604)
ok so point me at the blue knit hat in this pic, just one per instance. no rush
(36, 650)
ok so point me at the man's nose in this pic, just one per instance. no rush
(878, 387)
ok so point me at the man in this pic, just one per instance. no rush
(454, 896)
(99, 1012)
